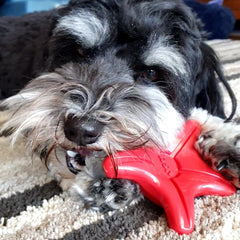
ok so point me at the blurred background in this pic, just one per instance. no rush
(19, 7)
(221, 18)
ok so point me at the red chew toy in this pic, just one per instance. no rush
(171, 179)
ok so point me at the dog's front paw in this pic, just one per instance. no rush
(112, 194)
(108, 194)
(221, 155)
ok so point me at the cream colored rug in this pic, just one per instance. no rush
(32, 206)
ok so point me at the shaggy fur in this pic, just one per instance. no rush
(111, 76)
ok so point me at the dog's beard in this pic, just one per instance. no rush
(133, 115)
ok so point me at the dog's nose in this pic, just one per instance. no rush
(82, 131)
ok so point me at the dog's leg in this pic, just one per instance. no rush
(105, 194)
(219, 144)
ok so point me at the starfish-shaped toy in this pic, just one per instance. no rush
(171, 179)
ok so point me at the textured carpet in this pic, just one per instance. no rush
(32, 206)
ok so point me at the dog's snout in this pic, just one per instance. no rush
(82, 131)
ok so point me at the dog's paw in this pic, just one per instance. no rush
(221, 155)
(108, 194)
(112, 194)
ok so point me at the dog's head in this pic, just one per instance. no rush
(121, 74)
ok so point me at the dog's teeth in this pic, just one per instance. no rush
(71, 153)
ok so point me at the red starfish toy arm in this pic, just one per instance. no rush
(171, 179)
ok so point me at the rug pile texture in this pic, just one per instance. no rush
(32, 206)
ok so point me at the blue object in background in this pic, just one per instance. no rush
(20, 7)
(219, 2)
(218, 20)
(2, 2)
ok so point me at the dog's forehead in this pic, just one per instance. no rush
(135, 30)
(96, 25)
(87, 28)
(104, 71)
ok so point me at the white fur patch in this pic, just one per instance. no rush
(160, 52)
(84, 25)
(169, 121)
(220, 130)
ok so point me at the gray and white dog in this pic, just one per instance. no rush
(112, 75)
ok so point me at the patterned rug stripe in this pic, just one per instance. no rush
(227, 60)
(233, 77)
(112, 225)
(14, 205)
(231, 69)
(18, 171)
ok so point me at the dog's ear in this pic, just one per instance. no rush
(207, 84)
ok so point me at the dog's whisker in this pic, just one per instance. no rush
(50, 149)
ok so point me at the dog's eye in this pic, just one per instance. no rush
(83, 54)
(80, 52)
(149, 75)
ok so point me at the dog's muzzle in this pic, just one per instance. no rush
(83, 132)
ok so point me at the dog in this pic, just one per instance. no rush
(94, 77)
